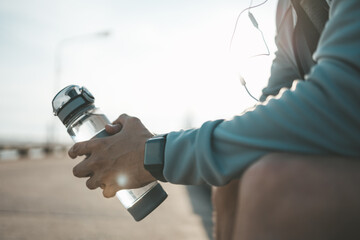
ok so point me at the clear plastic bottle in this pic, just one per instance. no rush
(75, 107)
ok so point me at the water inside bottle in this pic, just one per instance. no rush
(87, 126)
(129, 197)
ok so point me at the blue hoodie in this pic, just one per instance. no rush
(318, 115)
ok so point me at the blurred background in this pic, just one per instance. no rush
(167, 62)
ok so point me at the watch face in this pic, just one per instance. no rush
(154, 157)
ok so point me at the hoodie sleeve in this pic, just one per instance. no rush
(320, 115)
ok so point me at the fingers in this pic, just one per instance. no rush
(93, 182)
(86, 169)
(80, 149)
(110, 190)
(113, 128)
(111, 155)
(83, 169)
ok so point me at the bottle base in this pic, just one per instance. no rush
(148, 203)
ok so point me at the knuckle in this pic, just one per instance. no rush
(123, 117)
(101, 167)
(134, 119)
(92, 163)
(102, 144)
(87, 145)
(96, 144)
(97, 166)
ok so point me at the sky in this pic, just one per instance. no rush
(167, 62)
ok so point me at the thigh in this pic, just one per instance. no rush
(225, 203)
(288, 196)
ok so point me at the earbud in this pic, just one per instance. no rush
(253, 20)
(242, 80)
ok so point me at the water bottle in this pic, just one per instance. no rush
(75, 107)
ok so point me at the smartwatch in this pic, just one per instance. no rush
(154, 156)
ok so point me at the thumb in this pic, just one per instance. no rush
(113, 128)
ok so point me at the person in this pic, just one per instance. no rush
(285, 169)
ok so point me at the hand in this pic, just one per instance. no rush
(115, 162)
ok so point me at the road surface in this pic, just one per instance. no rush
(41, 199)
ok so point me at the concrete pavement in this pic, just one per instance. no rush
(41, 199)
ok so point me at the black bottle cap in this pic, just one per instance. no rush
(71, 101)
